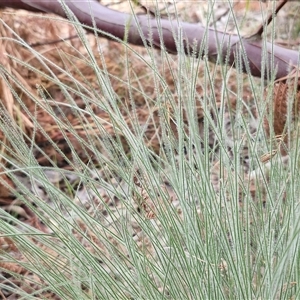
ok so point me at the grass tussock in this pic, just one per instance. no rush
(129, 173)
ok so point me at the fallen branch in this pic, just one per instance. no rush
(167, 34)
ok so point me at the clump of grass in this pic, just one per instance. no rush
(103, 212)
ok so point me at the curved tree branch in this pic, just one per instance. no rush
(166, 34)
